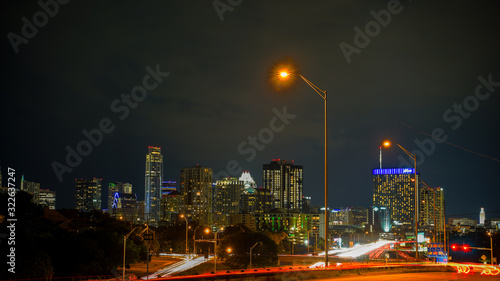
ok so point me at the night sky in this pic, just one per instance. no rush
(419, 67)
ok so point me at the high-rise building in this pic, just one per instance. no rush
(256, 200)
(32, 188)
(394, 189)
(197, 193)
(170, 206)
(432, 207)
(125, 206)
(227, 196)
(88, 194)
(153, 185)
(167, 187)
(119, 187)
(248, 180)
(47, 198)
(284, 179)
(482, 216)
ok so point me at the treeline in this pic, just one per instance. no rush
(66, 243)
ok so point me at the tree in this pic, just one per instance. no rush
(264, 254)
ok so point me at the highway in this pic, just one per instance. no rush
(425, 276)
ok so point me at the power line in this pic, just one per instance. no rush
(463, 148)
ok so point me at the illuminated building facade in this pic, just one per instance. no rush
(167, 187)
(432, 207)
(248, 180)
(32, 188)
(170, 207)
(197, 191)
(394, 190)
(256, 200)
(88, 194)
(153, 185)
(114, 187)
(227, 198)
(47, 198)
(125, 206)
(284, 180)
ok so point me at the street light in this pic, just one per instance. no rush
(124, 247)
(284, 74)
(194, 239)
(414, 158)
(184, 217)
(215, 246)
(491, 247)
(251, 248)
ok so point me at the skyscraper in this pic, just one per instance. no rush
(47, 198)
(227, 195)
(32, 188)
(432, 207)
(247, 180)
(197, 193)
(256, 200)
(284, 180)
(394, 189)
(482, 216)
(88, 194)
(119, 187)
(153, 180)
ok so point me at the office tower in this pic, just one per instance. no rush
(125, 206)
(153, 181)
(170, 207)
(306, 204)
(227, 195)
(197, 192)
(284, 180)
(47, 198)
(248, 180)
(256, 200)
(394, 189)
(119, 187)
(168, 186)
(88, 194)
(32, 188)
(482, 216)
(360, 216)
(432, 206)
(140, 210)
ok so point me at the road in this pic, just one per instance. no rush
(426, 276)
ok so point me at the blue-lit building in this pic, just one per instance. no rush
(394, 192)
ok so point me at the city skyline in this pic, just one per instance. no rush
(431, 66)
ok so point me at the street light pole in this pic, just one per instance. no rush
(284, 74)
(184, 217)
(323, 95)
(194, 240)
(491, 248)
(251, 248)
(124, 247)
(215, 250)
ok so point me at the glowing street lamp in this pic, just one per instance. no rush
(387, 144)
(285, 74)
(187, 227)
